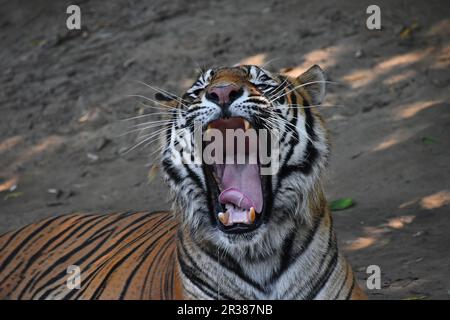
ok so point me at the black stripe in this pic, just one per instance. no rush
(25, 241)
(114, 267)
(172, 173)
(322, 260)
(330, 267)
(101, 232)
(324, 278)
(192, 272)
(232, 266)
(34, 257)
(288, 257)
(7, 277)
(255, 101)
(305, 167)
(64, 258)
(343, 283)
(93, 226)
(193, 109)
(12, 236)
(349, 294)
(87, 281)
(193, 176)
(309, 118)
(293, 141)
(148, 251)
(52, 240)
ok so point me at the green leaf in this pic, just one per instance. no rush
(341, 204)
(13, 195)
(415, 298)
(428, 140)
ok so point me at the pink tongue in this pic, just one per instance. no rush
(242, 186)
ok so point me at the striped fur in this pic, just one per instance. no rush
(293, 254)
(121, 256)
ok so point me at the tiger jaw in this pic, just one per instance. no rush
(227, 215)
(236, 190)
(235, 214)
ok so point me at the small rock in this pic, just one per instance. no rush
(129, 62)
(102, 143)
(71, 72)
(56, 192)
(359, 53)
(266, 10)
(53, 198)
(69, 194)
(93, 157)
(54, 203)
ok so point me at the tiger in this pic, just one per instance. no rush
(232, 232)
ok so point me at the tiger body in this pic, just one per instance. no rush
(276, 242)
(120, 256)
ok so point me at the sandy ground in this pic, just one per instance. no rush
(63, 95)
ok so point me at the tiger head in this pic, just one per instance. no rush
(233, 205)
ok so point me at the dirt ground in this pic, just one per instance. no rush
(63, 95)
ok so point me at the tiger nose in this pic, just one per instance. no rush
(224, 94)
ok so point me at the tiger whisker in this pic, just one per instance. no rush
(278, 88)
(302, 85)
(154, 122)
(154, 133)
(162, 108)
(147, 115)
(276, 117)
(152, 100)
(145, 128)
(162, 91)
(299, 106)
(140, 143)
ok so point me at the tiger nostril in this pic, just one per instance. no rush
(233, 95)
(212, 96)
(224, 94)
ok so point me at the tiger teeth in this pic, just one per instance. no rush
(224, 217)
(247, 125)
(208, 130)
(252, 215)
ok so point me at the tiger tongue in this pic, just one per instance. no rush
(242, 186)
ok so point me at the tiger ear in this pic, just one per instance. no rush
(314, 80)
(166, 99)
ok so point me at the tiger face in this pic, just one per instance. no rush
(233, 205)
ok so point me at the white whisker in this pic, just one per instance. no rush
(301, 85)
(151, 100)
(162, 91)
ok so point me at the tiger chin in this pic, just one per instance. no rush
(233, 233)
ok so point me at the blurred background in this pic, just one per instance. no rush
(64, 95)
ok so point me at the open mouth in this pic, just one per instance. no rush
(236, 190)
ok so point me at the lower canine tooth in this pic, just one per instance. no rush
(223, 217)
(208, 130)
(247, 125)
(252, 214)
